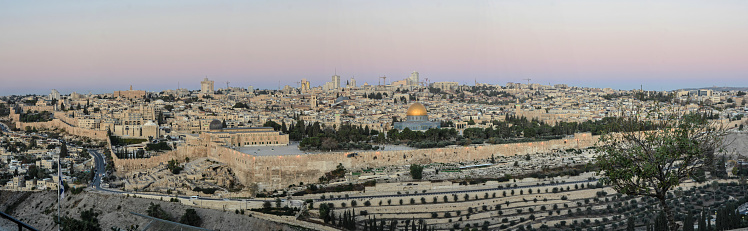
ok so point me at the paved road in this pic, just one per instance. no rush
(100, 166)
(3, 127)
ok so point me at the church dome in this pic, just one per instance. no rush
(416, 109)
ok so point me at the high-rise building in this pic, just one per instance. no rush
(305, 85)
(336, 81)
(445, 86)
(413, 79)
(352, 83)
(206, 86)
(54, 95)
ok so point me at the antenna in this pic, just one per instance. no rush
(528, 81)
(385, 80)
(227, 85)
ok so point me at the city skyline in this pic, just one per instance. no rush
(101, 47)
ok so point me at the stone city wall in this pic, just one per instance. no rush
(180, 154)
(32, 108)
(57, 123)
(278, 171)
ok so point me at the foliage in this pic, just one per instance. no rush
(205, 190)
(339, 172)
(117, 141)
(240, 105)
(64, 150)
(325, 212)
(728, 217)
(416, 171)
(190, 217)
(4, 110)
(36, 172)
(372, 224)
(345, 137)
(285, 211)
(160, 146)
(89, 222)
(43, 116)
(174, 167)
(688, 222)
(651, 163)
(155, 210)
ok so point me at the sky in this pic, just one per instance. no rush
(102, 46)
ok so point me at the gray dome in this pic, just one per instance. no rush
(216, 125)
(341, 99)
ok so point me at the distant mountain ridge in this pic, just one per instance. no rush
(716, 88)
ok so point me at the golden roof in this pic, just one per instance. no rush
(416, 109)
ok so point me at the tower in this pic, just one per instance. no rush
(413, 79)
(352, 83)
(336, 81)
(305, 85)
(54, 95)
(206, 86)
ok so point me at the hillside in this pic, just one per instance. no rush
(38, 209)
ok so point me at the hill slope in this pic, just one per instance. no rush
(39, 208)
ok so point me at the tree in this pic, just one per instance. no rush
(190, 217)
(63, 150)
(155, 210)
(89, 222)
(702, 221)
(324, 212)
(647, 162)
(174, 167)
(416, 171)
(688, 222)
(266, 205)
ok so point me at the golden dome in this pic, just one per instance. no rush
(416, 109)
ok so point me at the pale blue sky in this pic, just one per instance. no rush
(103, 46)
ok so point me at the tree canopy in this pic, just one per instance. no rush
(643, 162)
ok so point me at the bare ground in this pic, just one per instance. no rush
(39, 208)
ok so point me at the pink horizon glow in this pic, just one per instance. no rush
(103, 46)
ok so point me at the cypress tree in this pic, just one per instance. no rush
(630, 226)
(661, 222)
(688, 222)
(702, 221)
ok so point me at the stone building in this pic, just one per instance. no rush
(206, 86)
(130, 94)
(244, 136)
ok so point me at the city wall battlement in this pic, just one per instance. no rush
(179, 154)
(57, 123)
(279, 171)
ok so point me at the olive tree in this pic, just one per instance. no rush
(652, 152)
